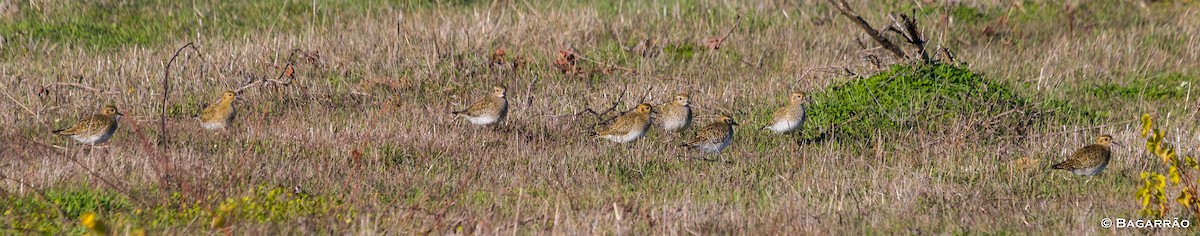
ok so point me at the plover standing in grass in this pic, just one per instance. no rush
(790, 117)
(1089, 160)
(714, 137)
(628, 127)
(95, 129)
(220, 114)
(489, 110)
(676, 115)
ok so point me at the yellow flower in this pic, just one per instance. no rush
(93, 223)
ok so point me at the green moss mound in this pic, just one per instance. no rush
(921, 98)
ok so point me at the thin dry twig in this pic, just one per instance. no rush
(162, 137)
(288, 71)
(22, 105)
(600, 115)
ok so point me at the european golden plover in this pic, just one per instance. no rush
(489, 110)
(96, 128)
(677, 115)
(220, 114)
(714, 137)
(628, 127)
(1089, 160)
(790, 117)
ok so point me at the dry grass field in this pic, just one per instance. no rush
(364, 128)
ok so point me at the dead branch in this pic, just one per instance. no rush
(162, 137)
(907, 28)
(251, 80)
(246, 83)
(845, 10)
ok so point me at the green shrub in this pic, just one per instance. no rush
(932, 98)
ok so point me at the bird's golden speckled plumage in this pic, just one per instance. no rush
(1089, 160)
(676, 116)
(219, 114)
(630, 126)
(490, 110)
(95, 129)
(791, 117)
(714, 137)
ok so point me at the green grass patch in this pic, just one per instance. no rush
(115, 24)
(263, 205)
(930, 98)
(1165, 86)
(30, 213)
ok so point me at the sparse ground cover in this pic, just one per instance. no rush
(364, 130)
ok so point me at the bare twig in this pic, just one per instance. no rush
(288, 71)
(615, 103)
(162, 136)
(249, 81)
(22, 105)
(731, 28)
(716, 43)
(844, 8)
(907, 28)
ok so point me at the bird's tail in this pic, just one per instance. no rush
(59, 132)
(456, 112)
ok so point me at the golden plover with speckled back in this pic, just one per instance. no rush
(790, 117)
(95, 129)
(714, 137)
(490, 110)
(628, 127)
(219, 115)
(1089, 160)
(676, 116)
